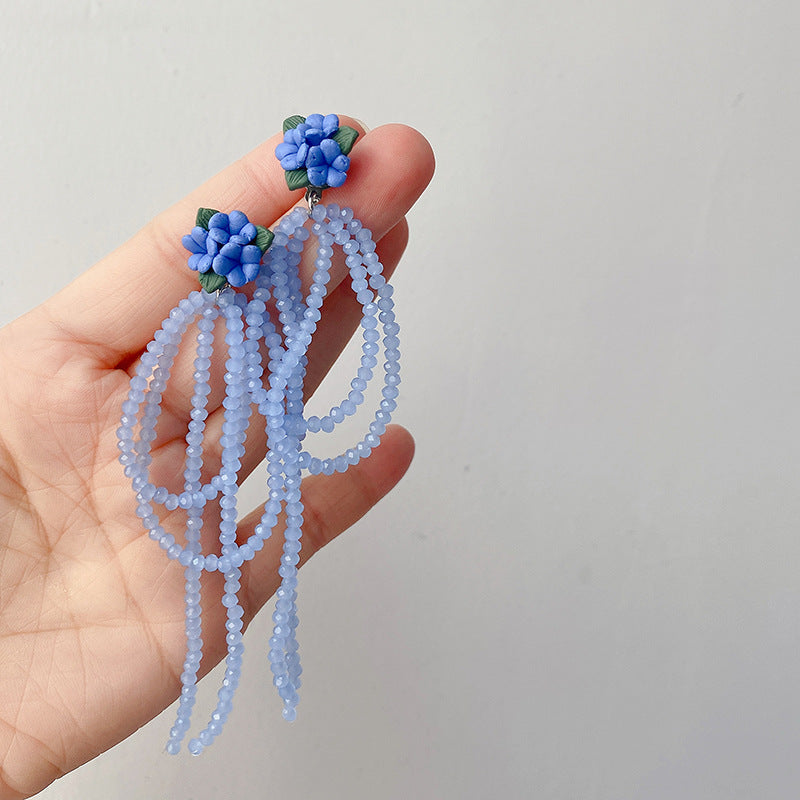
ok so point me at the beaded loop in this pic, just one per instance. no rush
(278, 396)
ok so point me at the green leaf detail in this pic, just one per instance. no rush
(345, 137)
(292, 122)
(264, 237)
(204, 215)
(210, 281)
(297, 178)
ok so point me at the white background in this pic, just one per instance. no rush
(587, 586)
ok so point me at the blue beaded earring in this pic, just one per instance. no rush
(228, 252)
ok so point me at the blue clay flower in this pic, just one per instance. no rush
(226, 248)
(311, 146)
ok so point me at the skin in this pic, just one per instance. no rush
(91, 611)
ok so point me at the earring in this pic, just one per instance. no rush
(266, 341)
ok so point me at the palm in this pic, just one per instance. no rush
(78, 579)
(91, 613)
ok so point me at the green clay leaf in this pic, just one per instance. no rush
(297, 178)
(264, 237)
(210, 281)
(292, 122)
(204, 215)
(345, 137)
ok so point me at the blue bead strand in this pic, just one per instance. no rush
(233, 664)
(284, 428)
(194, 522)
(374, 294)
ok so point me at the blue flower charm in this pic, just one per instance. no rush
(314, 151)
(226, 248)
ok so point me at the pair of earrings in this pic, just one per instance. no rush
(228, 252)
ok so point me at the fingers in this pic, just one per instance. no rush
(114, 308)
(331, 505)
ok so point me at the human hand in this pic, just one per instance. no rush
(91, 612)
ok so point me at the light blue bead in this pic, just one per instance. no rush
(195, 747)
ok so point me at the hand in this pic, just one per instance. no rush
(91, 611)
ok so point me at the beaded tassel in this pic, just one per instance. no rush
(223, 247)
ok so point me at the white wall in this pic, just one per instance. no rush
(587, 586)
